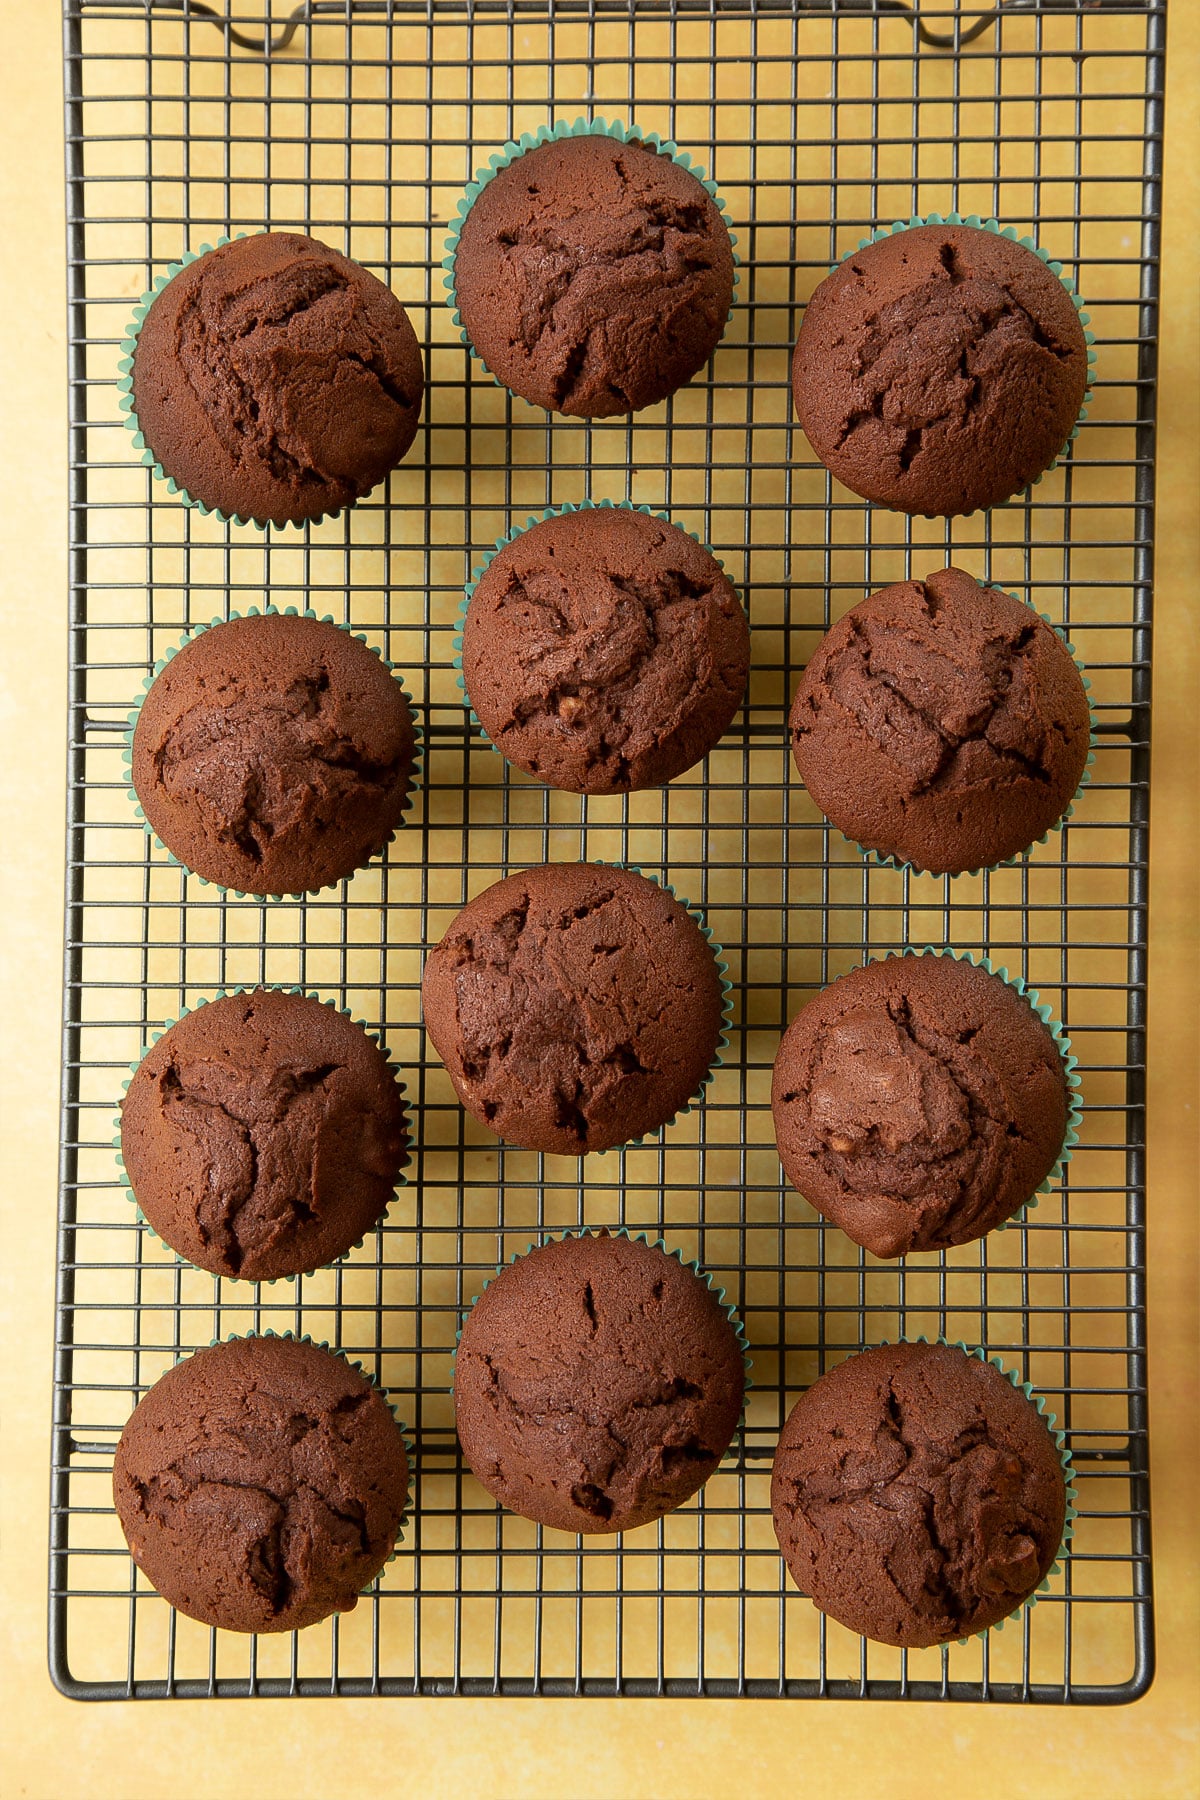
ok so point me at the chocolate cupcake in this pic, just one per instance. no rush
(273, 379)
(940, 369)
(604, 650)
(263, 1134)
(917, 1495)
(593, 274)
(273, 754)
(575, 1006)
(261, 1484)
(598, 1383)
(943, 724)
(919, 1102)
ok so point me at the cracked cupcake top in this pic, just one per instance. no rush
(276, 379)
(575, 1007)
(263, 1135)
(273, 754)
(942, 723)
(940, 370)
(605, 651)
(917, 1496)
(260, 1484)
(597, 1385)
(594, 277)
(918, 1102)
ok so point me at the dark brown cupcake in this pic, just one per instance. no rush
(597, 1384)
(575, 1007)
(605, 650)
(943, 724)
(594, 277)
(273, 754)
(918, 1103)
(261, 1484)
(940, 370)
(917, 1496)
(277, 380)
(263, 1135)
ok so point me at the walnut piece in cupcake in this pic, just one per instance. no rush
(261, 1484)
(940, 369)
(917, 1495)
(273, 754)
(263, 1134)
(918, 1103)
(605, 650)
(943, 724)
(598, 1382)
(277, 380)
(593, 277)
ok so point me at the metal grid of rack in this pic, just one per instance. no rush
(818, 121)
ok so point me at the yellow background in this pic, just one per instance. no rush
(652, 1750)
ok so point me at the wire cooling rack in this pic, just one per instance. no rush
(817, 121)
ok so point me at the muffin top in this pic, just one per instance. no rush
(918, 1102)
(597, 1384)
(575, 1007)
(263, 1134)
(273, 754)
(276, 379)
(261, 1484)
(604, 651)
(917, 1496)
(942, 723)
(940, 370)
(594, 277)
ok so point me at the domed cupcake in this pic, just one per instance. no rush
(598, 1382)
(940, 369)
(919, 1102)
(276, 380)
(943, 724)
(263, 1134)
(273, 754)
(575, 1006)
(261, 1484)
(592, 274)
(917, 1495)
(604, 650)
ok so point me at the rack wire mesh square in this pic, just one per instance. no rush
(818, 120)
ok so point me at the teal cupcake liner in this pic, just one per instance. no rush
(393, 1067)
(1038, 1402)
(718, 1061)
(1063, 1044)
(126, 404)
(894, 862)
(976, 223)
(640, 1237)
(548, 134)
(406, 1437)
(510, 537)
(253, 612)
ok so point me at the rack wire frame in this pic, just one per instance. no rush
(818, 121)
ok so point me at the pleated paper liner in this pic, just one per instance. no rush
(1063, 1045)
(976, 223)
(510, 537)
(548, 134)
(126, 403)
(373, 1037)
(253, 612)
